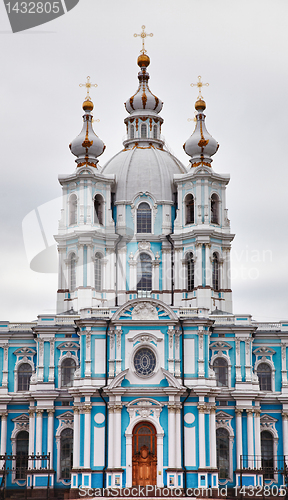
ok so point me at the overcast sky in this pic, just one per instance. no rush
(238, 46)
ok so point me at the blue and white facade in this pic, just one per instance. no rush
(144, 339)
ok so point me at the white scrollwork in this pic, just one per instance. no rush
(144, 311)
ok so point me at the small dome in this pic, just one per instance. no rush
(88, 105)
(143, 61)
(200, 105)
(201, 145)
(143, 99)
(156, 177)
(87, 146)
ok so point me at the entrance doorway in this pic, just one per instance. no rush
(144, 458)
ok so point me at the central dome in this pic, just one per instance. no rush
(144, 169)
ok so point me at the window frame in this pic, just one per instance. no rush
(98, 261)
(143, 127)
(71, 453)
(100, 214)
(72, 274)
(73, 210)
(144, 292)
(217, 359)
(270, 377)
(147, 223)
(64, 360)
(190, 271)
(216, 281)
(188, 212)
(215, 209)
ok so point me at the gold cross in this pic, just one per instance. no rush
(88, 86)
(143, 36)
(199, 84)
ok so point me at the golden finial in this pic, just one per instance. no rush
(143, 36)
(88, 86)
(199, 84)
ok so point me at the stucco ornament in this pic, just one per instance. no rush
(144, 311)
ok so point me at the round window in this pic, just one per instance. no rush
(144, 361)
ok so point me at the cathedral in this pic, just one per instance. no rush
(144, 376)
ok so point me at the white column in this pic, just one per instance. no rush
(118, 332)
(238, 364)
(129, 461)
(76, 438)
(171, 436)
(117, 435)
(39, 428)
(87, 435)
(88, 354)
(284, 370)
(155, 275)
(178, 437)
(213, 456)
(31, 435)
(50, 435)
(133, 274)
(202, 455)
(51, 362)
(250, 437)
(111, 438)
(160, 483)
(3, 434)
(112, 354)
(40, 360)
(5, 367)
(285, 434)
(201, 368)
(248, 376)
(177, 354)
(239, 451)
(257, 438)
(171, 350)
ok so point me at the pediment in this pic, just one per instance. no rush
(25, 351)
(66, 416)
(117, 381)
(267, 419)
(220, 346)
(222, 415)
(264, 351)
(144, 310)
(172, 381)
(21, 419)
(68, 346)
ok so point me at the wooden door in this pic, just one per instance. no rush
(144, 460)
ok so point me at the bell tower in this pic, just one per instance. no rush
(86, 236)
(202, 229)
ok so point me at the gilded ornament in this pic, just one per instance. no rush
(143, 35)
(88, 86)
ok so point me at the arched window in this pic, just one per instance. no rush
(73, 209)
(66, 453)
(222, 447)
(144, 275)
(98, 271)
(215, 272)
(72, 272)
(68, 367)
(143, 131)
(22, 443)
(214, 209)
(189, 202)
(267, 454)
(24, 375)
(143, 218)
(155, 132)
(190, 271)
(220, 367)
(264, 373)
(131, 131)
(98, 209)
